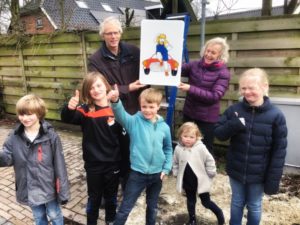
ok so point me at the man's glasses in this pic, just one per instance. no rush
(112, 33)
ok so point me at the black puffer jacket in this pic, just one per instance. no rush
(257, 150)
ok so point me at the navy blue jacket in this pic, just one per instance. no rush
(257, 149)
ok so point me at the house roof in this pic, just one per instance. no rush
(87, 14)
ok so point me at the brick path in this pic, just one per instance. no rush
(12, 213)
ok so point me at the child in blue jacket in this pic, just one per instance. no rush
(150, 152)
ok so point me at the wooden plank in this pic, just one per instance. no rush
(55, 74)
(50, 85)
(275, 43)
(265, 62)
(10, 61)
(14, 72)
(53, 51)
(17, 91)
(15, 83)
(54, 38)
(287, 80)
(8, 51)
(54, 62)
(246, 25)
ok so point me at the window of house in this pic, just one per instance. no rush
(82, 4)
(39, 23)
(107, 7)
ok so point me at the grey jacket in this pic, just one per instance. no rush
(40, 170)
(201, 162)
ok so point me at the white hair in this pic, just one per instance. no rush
(220, 41)
(110, 20)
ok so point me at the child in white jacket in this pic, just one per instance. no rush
(194, 167)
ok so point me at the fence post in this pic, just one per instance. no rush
(84, 52)
(23, 75)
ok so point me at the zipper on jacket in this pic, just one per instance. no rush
(153, 145)
(248, 144)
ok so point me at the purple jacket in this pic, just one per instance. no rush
(208, 85)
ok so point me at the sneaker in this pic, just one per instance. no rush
(192, 222)
(109, 223)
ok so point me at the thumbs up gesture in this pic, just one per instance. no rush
(74, 101)
(113, 95)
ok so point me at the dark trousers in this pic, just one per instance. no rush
(102, 184)
(190, 185)
(207, 130)
(206, 202)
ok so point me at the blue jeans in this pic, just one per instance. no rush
(249, 195)
(136, 183)
(50, 209)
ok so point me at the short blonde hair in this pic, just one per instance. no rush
(189, 127)
(219, 41)
(31, 104)
(87, 83)
(107, 21)
(151, 95)
(259, 75)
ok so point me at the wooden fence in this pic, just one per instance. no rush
(53, 65)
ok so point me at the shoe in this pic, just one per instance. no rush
(109, 223)
(192, 222)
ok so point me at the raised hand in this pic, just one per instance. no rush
(113, 95)
(74, 101)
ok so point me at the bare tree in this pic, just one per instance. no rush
(266, 8)
(4, 15)
(128, 16)
(290, 6)
(15, 17)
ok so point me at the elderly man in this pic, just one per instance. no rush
(119, 63)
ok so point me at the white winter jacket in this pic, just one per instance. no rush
(201, 162)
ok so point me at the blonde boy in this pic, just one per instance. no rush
(150, 152)
(35, 151)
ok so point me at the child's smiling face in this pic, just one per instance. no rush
(149, 110)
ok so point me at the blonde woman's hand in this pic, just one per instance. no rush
(184, 86)
(74, 101)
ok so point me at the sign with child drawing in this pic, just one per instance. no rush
(161, 52)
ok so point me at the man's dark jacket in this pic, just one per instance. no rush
(121, 70)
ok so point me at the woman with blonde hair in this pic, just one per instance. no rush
(208, 81)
